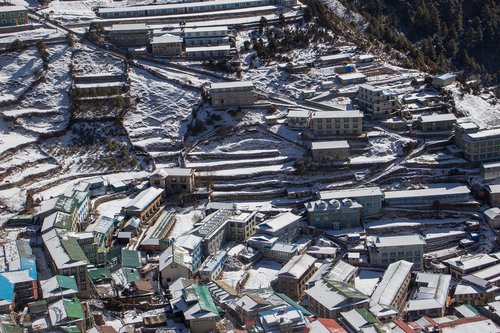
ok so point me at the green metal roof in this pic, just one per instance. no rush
(473, 309)
(73, 308)
(366, 315)
(131, 258)
(65, 204)
(95, 274)
(163, 226)
(346, 290)
(11, 328)
(205, 299)
(67, 282)
(73, 249)
(295, 304)
(63, 221)
(131, 274)
(20, 219)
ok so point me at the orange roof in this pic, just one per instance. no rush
(404, 326)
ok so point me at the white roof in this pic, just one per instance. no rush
(170, 6)
(491, 165)
(17, 276)
(338, 144)
(294, 113)
(400, 240)
(441, 191)
(297, 266)
(483, 326)
(128, 26)
(189, 242)
(437, 117)
(468, 262)
(279, 222)
(166, 38)
(208, 48)
(337, 114)
(338, 56)
(232, 84)
(355, 75)
(350, 193)
(391, 283)
(5, 9)
(432, 292)
(484, 134)
(492, 213)
(493, 188)
(143, 199)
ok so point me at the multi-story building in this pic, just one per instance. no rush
(174, 180)
(174, 263)
(60, 204)
(66, 257)
(166, 45)
(385, 250)
(370, 198)
(90, 245)
(468, 264)
(428, 196)
(58, 287)
(334, 214)
(145, 204)
(475, 291)
(298, 119)
(17, 289)
(392, 291)
(211, 268)
(443, 80)
(192, 245)
(379, 102)
(102, 229)
(332, 123)
(202, 313)
(493, 195)
(68, 314)
(241, 225)
(204, 36)
(13, 15)
(156, 237)
(213, 229)
(325, 151)
(81, 193)
(490, 171)
(430, 296)
(284, 318)
(478, 145)
(128, 35)
(212, 51)
(283, 227)
(437, 122)
(293, 276)
(328, 298)
(237, 93)
(351, 78)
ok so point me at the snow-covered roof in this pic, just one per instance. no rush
(7, 9)
(102, 226)
(391, 241)
(392, 281)
(427, 192)
(484, 134)
(17, 276)
(213, 261)
(467, 325)
(144, 199)
(277, 223)
(341, 271)
(166, 38)
(337, 114)
(331, 294)
(432, 292)
(337, 144)
(208, 48)
(469, 262)
(350, 193)
(231, 85)
(492, 213)
(445, 76)
(295, 113)
(189, 242)
(355, 75)
(297, 266)
(128, 27)
(437, 118)
(491, 165)
(333, 204)
(493, 188)
(338, 56)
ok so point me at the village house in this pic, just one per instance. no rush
(359, 321)
(17, 289)
(430, 296)
(478, 145)
(490, 171)
(203, 36)
(166, 45)
(284, 227)
(390, 295)
(468, 264)
(428, 196)
(326, 151)
(333, 59)
(493, 217)
(298, 119)
(385, 250)
(370, 198)
(437, 122)
(213, 230)
(328, 298)
(211, 268)
(475, 291)
(443, 80)
(128, 35)
(283, 318)
(493, 195)
(202, 313)
(67, 314)
(236, 93)
(211, 52)
(379, 102)
(145, 204)
(58, 287)
(351, 78)
(333, 214)
(102, 229)
(174, 180)
(293, 276)
(241, 225)
(13, 15)
(335, 123)
(249, 306)
(156, 236)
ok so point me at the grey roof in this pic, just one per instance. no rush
(337, 144)
(391, 282)
(391, 241)
(350, 193)
(337, 114)
(297, 266)
(468, 262)
(432, 292)
(437, 117)
(143, 199)
(434, 191)
(230, 85)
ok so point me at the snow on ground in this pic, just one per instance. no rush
(262, 274)
(40, 32)
(29, 172)
(17, 72)
(88, 61)
(483, 110)
(184, 222)
(232, 278)
(161, 118)
(367, 280)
